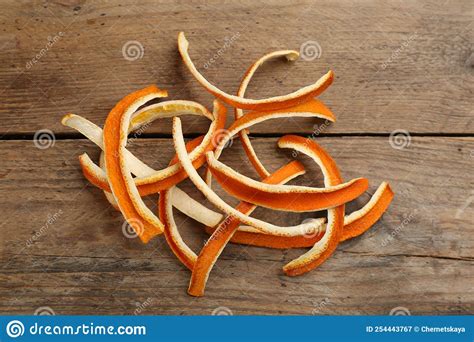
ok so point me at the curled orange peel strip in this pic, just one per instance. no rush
(358, 222)
(180, 249)
(165, 209)
(222, 205)
(300, 96)
(143, 118)
(181, 200)
(355, 224)
(312, 108)
(284, 197)
(290, 55)
(150, 181)
(167, 109)
(333, 233)
(190, 146)
(119, 176)
(218, 121)
(97, 177)
(200, 213)
(221, 236)
(176, 173)
(108, 195)
(258, 239)
(118, 166)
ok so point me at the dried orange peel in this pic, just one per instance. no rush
(119, 176)
(312, 108)
(125, 179)
(359, 221)
(332, 235)
(355, 224)
(278, 102)
(221, 236)
(180, 249)
(284, 197)
(290, 55)
(201, 185)
(165, 209)
(150, 181)
(173, 237)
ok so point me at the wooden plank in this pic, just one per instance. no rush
(398, 64)
(62, 244)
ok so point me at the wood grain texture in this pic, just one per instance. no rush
(398, 64)
(419, 256)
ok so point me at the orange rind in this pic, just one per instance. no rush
(284, 197)
(221, 236)
(125, 179)
(278, 102)
(144, 222)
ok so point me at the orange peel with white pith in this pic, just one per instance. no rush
(284, 197)
(171, 232)
(302, 95)
(221, 236)
(312, 108)
(201, 185)
(355, 224)
(290, 55)
(172, 235)
(125, 179)
(134, 210)
(332, 235)
(150, 181)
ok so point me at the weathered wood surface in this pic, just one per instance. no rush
(399, 64)
(81, 263)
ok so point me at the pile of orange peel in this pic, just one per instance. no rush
(125, 179)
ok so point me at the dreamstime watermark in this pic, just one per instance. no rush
(224, 224)
(319, 307)
(406, 221)
(222, 311)
(44, 311)
(400, 311)
(399, 139)
(132, 228)
(395, 54)
(222, 135)
(44, 138)
(310, 50)
(133, 50)
(227, 44)
(317, 130)
(137, 133)
(49, 222)
(15, 329)
(313, 227)
(51, 42)
(142, 306)
(465, 205)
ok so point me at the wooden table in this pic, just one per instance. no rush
(399, 65)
